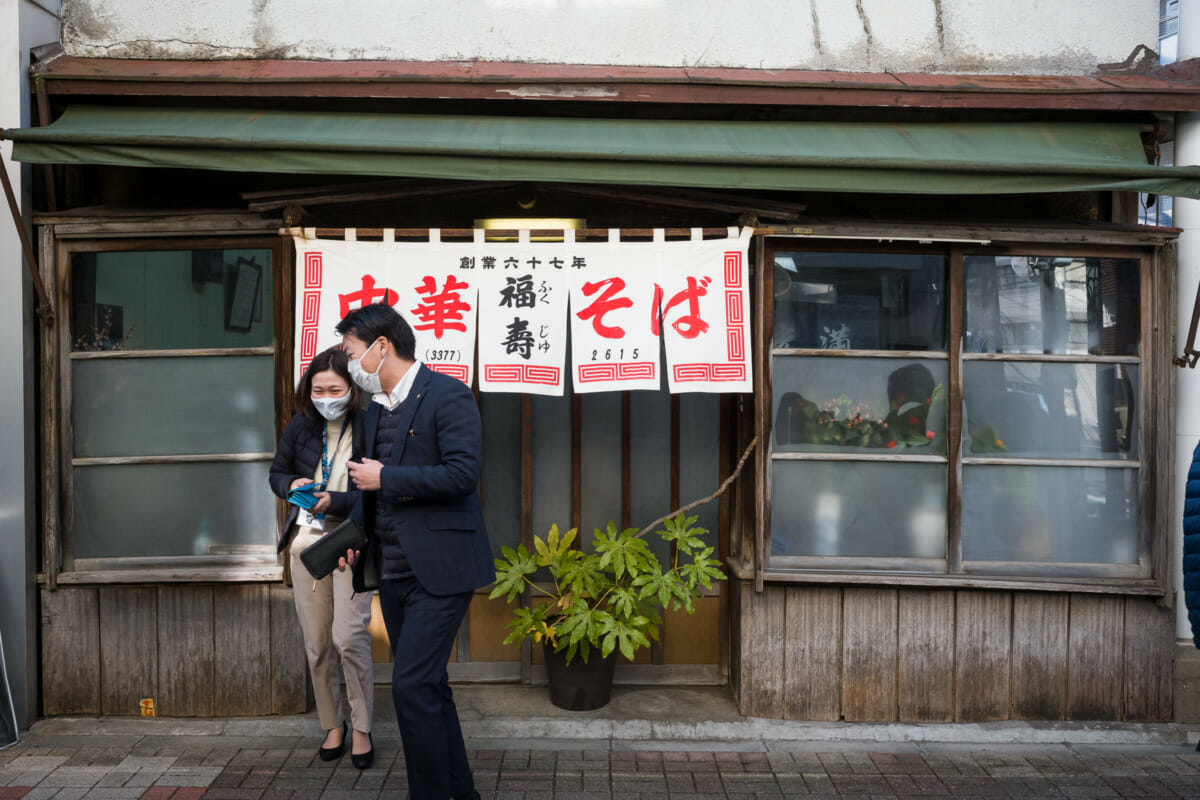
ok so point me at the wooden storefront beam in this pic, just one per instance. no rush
(52, 555)
(954, 416)
(764, 284)
(994, 237)
(1132, 587)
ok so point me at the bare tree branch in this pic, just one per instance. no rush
(720, 490)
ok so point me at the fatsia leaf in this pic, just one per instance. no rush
(543, 552)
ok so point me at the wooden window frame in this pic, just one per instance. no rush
(1149, 576)
(60, 242)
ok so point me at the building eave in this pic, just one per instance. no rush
(1167, 89)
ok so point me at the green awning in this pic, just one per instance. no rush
(909, 158)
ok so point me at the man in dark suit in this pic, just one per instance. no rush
(423, 445)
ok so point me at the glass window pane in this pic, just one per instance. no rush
(860, 301)
(600, 444)
(699, 458)
(143, 510)
(500, 476)
(1050, 410)
(650, 464)
(1049, 514)
(824, 405)
(171, 299)
(551, 463)
(173, 406)
(858, 508)
(1038, 304)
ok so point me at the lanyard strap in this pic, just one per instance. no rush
(326, 463)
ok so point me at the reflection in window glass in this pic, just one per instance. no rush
(859, 301)
(1051, 410)
(139, 406)
(1034, 304)
(156, 510)
(1049, 514)
(171, 299)
(858, 508)
(886, 405)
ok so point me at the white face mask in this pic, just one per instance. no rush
(368, 382)
(331, 407)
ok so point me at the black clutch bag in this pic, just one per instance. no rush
(367, 568)
(321, 557)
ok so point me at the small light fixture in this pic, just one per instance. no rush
(529, 224)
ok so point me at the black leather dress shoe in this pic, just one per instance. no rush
(333, 753)
(364, 760)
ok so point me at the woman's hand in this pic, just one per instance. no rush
(296, 484)
(324, 502)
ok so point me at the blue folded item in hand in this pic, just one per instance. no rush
(303, 495)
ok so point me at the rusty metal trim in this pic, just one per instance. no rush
(1176, 89)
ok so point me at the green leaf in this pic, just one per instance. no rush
(543, 551)
(510, 577)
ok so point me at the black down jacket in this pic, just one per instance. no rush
(297, 456)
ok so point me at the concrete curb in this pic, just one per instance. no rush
(750, 730)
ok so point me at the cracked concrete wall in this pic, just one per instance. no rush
(1017, 36)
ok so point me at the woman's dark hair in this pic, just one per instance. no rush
(370, 322)
(335, 359)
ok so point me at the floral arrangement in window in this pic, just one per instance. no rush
(108, 332)
(841, 422)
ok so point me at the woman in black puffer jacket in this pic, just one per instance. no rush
(315, 446)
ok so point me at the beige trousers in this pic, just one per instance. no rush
(332, 616)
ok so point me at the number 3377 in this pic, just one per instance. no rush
(610, 354)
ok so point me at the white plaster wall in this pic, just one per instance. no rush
(1004, 36)
(1187, 393)
(22, 25)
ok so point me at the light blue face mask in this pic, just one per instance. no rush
(331, 407)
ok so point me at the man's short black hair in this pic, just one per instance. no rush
(370, 322)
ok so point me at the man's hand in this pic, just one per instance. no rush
(366, 474)
(300, 482)
(348, 561)
(324, 502)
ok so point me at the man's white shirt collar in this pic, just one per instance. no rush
(400, 393)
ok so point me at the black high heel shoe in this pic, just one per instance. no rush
(334, 753)
(364, 760)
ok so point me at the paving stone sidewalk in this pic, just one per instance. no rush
(164, 767)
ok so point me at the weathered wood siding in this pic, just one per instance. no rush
(932, 655)
(196, 649)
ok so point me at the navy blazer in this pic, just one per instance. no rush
(432, 479)
(297, 456)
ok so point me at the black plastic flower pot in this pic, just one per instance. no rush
(579, 686)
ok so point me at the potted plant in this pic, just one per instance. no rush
(604, 599)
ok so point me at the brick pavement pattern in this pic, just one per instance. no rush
(191, 771)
